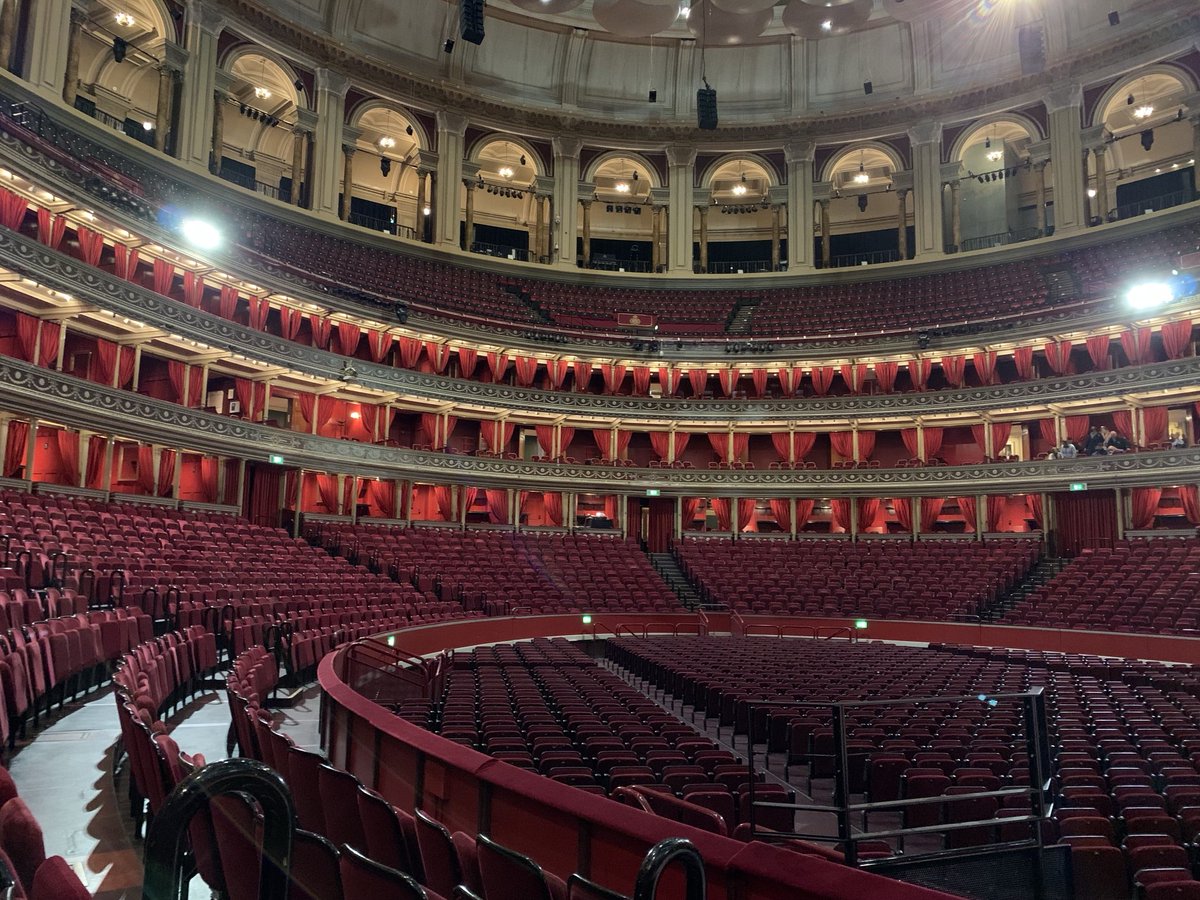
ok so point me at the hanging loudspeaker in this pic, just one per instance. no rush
(472, 21)
(706, 109)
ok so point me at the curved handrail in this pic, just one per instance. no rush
(796, 631)
(630, 629)
(662, 855)
(166, 840)
(834, 631)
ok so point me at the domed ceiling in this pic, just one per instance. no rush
(798, 65)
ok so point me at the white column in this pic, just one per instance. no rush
(564, 202)
(681, 161)
(327, 161)
(204, 25)
(927, 189)
(45, 52)
(451, 128)
(799, 156)
(1064, 107)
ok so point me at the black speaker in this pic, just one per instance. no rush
(706, 109)
(119, 48)
(868, 88)
(472, 21)
(1147, 139)
(653, 96)
(1114, 18)
(385, 166)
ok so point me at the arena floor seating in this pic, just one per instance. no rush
(1142, 585)
(1124, 735)
(937, 580)
(526, 572)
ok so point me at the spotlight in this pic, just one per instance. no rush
(1149, 295)
(298, 84)
(1147, 139)
(201, 234)
(522, 159)
(862, 202)
(427, 210)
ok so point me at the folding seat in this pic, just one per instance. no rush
(362, 877)
(21, 840)
(304, 768)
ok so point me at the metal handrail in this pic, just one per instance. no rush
(663, 854)
(166, 841)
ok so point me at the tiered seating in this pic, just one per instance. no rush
(1124, 736)
(501, 571)
(1150, 585)
(884, 579)
(675, 312)
(23, 863)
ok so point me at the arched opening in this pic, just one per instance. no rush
(386, 192)
(1150, 152)
(507, 215)
(619, 227)
(998, 202)
(864, 208)
(742, 231)
(258, 124)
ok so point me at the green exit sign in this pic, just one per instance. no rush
(276, 459)
(652, 492)
(1079, 485)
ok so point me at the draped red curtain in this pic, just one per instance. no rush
(93, 476)
(822, 379)
(468, 359)
(1136, 344)
(125, 262)
(661, 525)
(967, 506)
(641, 380)
(16, 447)
(1001, 431)
(1144, 505)
(854, 375)
(553, 502)
(438, 356)
(193, 295)
(526, 370)
(496, 434)
(208, 478)
(27, 327)
(933, 441)
(623, 438)
(566, 434)
(164, 277)
(723, 511)
(841, 513)
(866, 444)
(727, 379)
(747, 514)
(1123, 422)
(1076, 427)
(257, 311)
(368, 415)
(842, 443)
(660, 443)
(603, 439)
(681, 442)
(1034, 502)
(106, 359)
(802, 444)
(91, 245)
(497, 506)
(51, 228)
(545, 437)
(1058, 356)
(383, 494)
(497, 364)
(909, 437)
(758, 378)
(196, 386)
(688, 507)
(1023, 359)
(556, 372)
(348, 336)
(919, 371)
(1097, 348)
(166, 471)
(1049, 431)
(410, 353)
(1190, 498)
(328, 492)
(48, 343)
(789, 380)
(12, 209)
(804, 509)
(176, 377)
(978, 433)
(954, 368)
(1085, 519)
(719, 440)
(781, 509)
(145, 470)
(669, 379)
(885, 375)
(869, 512)
(781, 440)
(902, 506)
(290, 321)
(931, 508)
(1176, 338)
(995, 509)
(985, 366)
(613, 376)
(583, 374)
(68, 455)
(1155, 420)
(698, 379)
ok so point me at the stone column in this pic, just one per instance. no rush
(419, 229)
(327, 141)
(162, 108)
(654, 238)
(955, 215)
(926, 141)
(218, 132)
(775, 211)
(1064, 105)
(587, 233)
(299, 143)
(451, 128)
(704, 238)
(564, 205)
(681, 161)
(71, 76)
(1100, 207)
(799, 157)
(469, 218)
(204, 24)
(902, 223)
(349, 147)
(43, 56)
(1039, 170)
(825, 235)
(8, 27)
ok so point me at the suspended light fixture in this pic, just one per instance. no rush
(861, 176)
(387, 142)
(124, 19)
(1144, 111)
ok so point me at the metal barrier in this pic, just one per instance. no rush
(388, 675)
(1037, 750)
(663, 854)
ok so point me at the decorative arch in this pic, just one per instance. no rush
(533, 158)
(420, 135)
(1119, 87)
(831, 164)
(297, 96)
(596, 164)
(970, 134)
(710, 172)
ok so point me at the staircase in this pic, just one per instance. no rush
(668, 569)
(539, 315)
(741, 317)
(1041, 574)
(1062, 284)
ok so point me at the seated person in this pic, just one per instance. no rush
(1114, 442)
(1067, 451)
(1093, 444)
(1177, 442)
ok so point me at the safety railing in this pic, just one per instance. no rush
(1152, 204)
(862, 259)
(837, 763)
(389, 676)
(664, 854)
(998, 239)
(501, 251)
(733, 267)
(372, 222)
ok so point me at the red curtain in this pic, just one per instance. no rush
(1001, 431)
(747, 514)
(789, 380)
(1144, 506)
(967, 506)
(16, 447)
(553, 502)
(497, 506)
(603, 439)
(758, 378)
(1123, 422)
(802, 444)
(196, 387)
(566, 434)
(661, 524)
(841, 513)
(919, 371)
(93, 477)
(556, 372)
(613, 376)
(431, 427)
(166, 472)
(885, 375)
(822, 378)
(842, 443)
(782, 511)
(1034, 502)
(368, 416)
(681, 442)
(106, 359)
(866, 444)
(12, 209)
(723, 511)
(854, 375)
(1136, 344)
(727, 379)
(1097, 348)
(1058, 356)
(698, 379)
(903, 509)
(933, 442)
(230, 495)
(208, 479)
(909, 436)
(48, 344)
(495, 435)
(1049, 431)
(804, 509)
(1085, 519)
(68, 455)
(545, 437)
(781, 440)
(985, 366)
(688, 507)
(327, 489)
(1176, 337)
(719, 440)
(383, 494)
(526, 370)
(91, 244)
(27, 328)
(125, 262)
(145, 470)
(954, 368)
(410, 353)
(660, 443)
(1155, 420)
(348, 336)
(1190, 498)
(641, 380)
(497, 364)
(1076, 427)
(668, 379)
(583, 374)
(193, 295)
(176, 376)
(931, 509)
(438, 355)
(468, 359)
(869, 513)
(290, 321)
(164, 277)
(1023, 358)
(995, 509)
(50, 228)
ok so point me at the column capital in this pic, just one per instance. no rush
(586, 191)
(1192, 104)
(566, 146)
(681, 155)
(1095, 138)
(1062, 97)
(799, 152)
(470, 172)
(822, 191)
(306, 120)
(332, 82)
(223, 80)
(350, 136)
(951, 172)
(78, 15)
(1039, 153)
(174, 57)
(902, 181)
(926, 133)
(205, 16)
(451, 123)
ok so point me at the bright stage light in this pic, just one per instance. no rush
(201, 234)
(1149, 295)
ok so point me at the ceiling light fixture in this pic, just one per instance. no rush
(827, 25)
(995, 155)
(262, 93)
(861, 177)
(739, 189)
(124, 19)
(1143, 112)
(387, 142)
(505, 172)
(621, 187)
